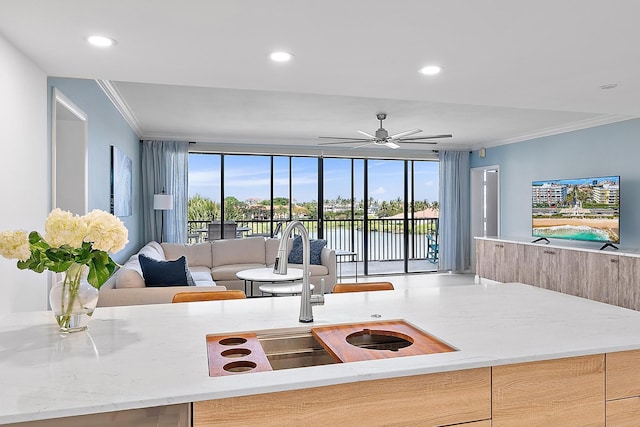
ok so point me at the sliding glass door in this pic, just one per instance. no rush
(383, 214)
(385, 217)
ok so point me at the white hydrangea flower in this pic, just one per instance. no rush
(15, 245)
(64, 228)
(105, 232)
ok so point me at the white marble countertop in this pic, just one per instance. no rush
(141, 356)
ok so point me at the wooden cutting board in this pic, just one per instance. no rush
(235, 354)
(334, 340)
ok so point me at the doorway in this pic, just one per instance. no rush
(485, 205)
(69, 156)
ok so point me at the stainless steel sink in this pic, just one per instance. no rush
(294, 349)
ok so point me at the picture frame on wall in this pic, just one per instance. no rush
(121, 183)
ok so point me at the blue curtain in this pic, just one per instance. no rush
(165, 167)
(455, 240)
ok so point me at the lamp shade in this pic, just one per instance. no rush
(163, 202)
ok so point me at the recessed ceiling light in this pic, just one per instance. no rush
(101, 41)
(609, 86)
(281, 56)
(430, 70)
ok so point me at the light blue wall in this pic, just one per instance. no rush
(106, 127)
(604, 150)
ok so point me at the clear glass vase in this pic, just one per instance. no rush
(73, 300)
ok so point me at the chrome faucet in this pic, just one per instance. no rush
(280, 267)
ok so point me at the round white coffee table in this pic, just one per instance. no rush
(267, 275)
(283, 288)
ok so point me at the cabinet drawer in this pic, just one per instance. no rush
(559, 392)
(624, 412)
(623, 374)
(425, 400)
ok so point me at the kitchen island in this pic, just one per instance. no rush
(155, 355)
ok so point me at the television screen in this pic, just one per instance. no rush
(578, 209)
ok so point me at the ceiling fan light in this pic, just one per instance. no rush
(281, 56)
(430, 70)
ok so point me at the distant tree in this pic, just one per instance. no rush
(233, 208)
(311, 209)
(202, 209)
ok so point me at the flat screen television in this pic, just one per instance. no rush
(577, 209)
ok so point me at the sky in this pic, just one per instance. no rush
(248, 177)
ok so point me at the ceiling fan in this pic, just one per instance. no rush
(382, 137)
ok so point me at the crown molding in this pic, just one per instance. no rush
(570, 127)
(121, 105)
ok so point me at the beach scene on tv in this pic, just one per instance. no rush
(577, 209)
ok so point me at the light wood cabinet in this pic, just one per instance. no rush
(549, 268)
(623, 374)
(599, 276)
(623, 412)
(501, 260)
(485, 259)
(552, 393)
(427, 400)
(629, 282)
(623, 388)
(507, 262)
(594, 390)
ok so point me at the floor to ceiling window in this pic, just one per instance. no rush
(385, 216)
(383, 211)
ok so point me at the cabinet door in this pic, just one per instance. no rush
(496, 260)
(601, 277)
(528, 265)
(506, 262)
(561, 392)
(549, 268)
(628, 282)
(571, 271)
(485, 259)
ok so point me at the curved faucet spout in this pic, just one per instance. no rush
(280, 267)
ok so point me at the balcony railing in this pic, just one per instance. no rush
(385, 236)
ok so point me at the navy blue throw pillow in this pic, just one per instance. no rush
(295, 256)
(165, 273)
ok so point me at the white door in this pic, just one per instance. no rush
(69, 156)
(485, 205)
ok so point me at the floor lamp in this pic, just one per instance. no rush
(162, 202)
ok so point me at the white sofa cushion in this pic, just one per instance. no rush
(130, 275)
(201, 275)
(228, 272)
(198, 254)
(249, 250)
(271, 249)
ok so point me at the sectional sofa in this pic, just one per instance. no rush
(213, 266)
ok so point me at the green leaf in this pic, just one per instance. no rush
(101, 267)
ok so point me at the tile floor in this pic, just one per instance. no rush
(403, 281)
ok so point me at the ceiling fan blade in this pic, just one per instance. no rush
(402, 141)
(391, 144)
(363, 145)
(368, 135)
(405, 133)
(427, 137)
(347, 139)
(344, 142)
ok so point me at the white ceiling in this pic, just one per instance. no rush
(198, 70)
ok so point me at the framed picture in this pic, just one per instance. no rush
(121, 183)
